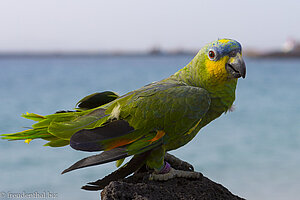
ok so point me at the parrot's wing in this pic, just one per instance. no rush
(144, 119)
(164, 111)
(96, 100)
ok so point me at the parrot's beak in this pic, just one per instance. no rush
(236, 66)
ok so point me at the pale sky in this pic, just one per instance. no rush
(96, 25)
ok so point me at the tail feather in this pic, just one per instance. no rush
(57, 143)
(28, 134)
(104, 157)
(85, 120)
(133, 165)
(33, 116)
(42, 124)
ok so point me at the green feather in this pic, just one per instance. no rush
(57, 143)
(34, 117)
(119, 162)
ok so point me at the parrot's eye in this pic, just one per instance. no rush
(212, 55)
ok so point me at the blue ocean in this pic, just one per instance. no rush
(253, 151)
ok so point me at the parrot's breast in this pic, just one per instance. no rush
(218, 106)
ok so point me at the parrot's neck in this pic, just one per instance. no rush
(221, 91)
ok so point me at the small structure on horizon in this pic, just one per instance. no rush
(291, 45)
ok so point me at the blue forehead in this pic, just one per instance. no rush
(224, 46)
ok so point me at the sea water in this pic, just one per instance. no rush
(253, 151)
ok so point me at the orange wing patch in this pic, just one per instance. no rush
(159, 134)
(123, 142)
(118, 143)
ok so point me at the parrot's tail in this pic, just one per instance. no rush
(57, 128)
(38, 130)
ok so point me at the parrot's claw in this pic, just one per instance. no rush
(177, 163)
(162, 177)
(173, 173)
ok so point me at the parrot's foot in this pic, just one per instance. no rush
(168, 173)
(177, 163)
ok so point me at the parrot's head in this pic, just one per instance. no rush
(222, 60)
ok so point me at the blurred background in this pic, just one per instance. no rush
(53, 53)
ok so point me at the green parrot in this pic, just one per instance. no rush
(147, 122)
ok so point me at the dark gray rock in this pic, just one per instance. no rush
(138, 187)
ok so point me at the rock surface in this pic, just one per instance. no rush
(138, 187)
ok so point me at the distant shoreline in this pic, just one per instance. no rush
(274, 54)
(249, 54)
(87, 54)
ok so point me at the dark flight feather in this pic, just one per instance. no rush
(90, 139)
(104, 157)
(96, 100)
(133, 165)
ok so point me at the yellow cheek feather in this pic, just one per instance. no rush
(216, 69)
